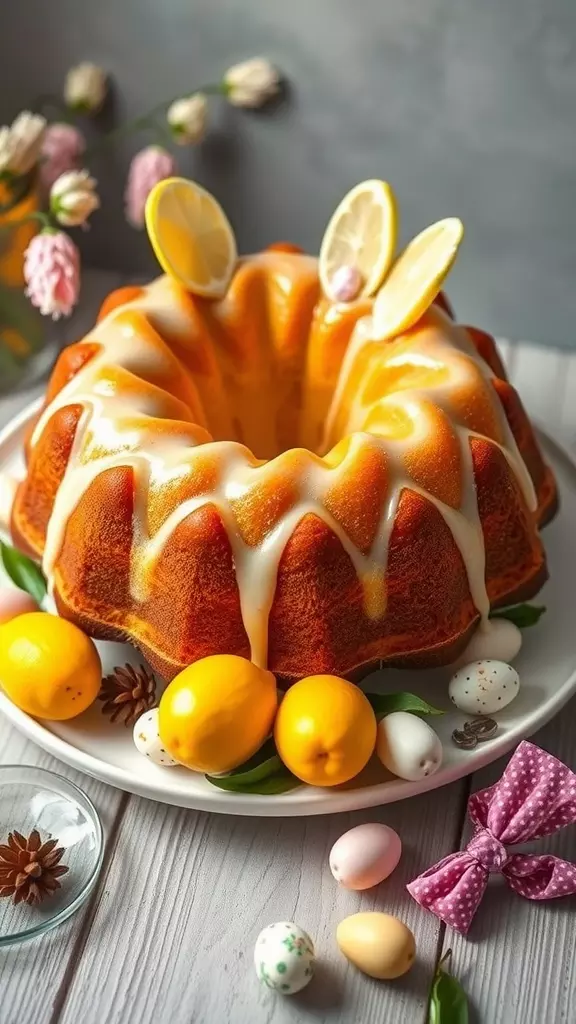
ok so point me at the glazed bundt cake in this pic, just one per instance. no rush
(304, 462)
(257, 476)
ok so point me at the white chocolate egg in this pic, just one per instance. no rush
(484, 687)
(147, 739)
(15, 602)
(498, 639)
(407, 746)
(365, 855)
(377, 944)
(284, 957)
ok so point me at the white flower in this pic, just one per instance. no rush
(251, 83)
(187, 118)
(85, 88)
(73, 198)
(20, 144)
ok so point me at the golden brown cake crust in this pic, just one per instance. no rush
(199, 378)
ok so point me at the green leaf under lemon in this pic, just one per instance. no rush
(448, 1001)
(263, 773)
(522, 615)
(385, 703)
(23, 572)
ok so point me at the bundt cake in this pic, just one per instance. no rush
(256, 475)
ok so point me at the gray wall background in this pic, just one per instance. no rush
(467, 106)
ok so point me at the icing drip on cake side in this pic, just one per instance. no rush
(123, 420)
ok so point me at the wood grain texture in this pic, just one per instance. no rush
(168, 936)
(34, 975)
(188, 893)
(517, 963)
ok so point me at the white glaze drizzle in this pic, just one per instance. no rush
(108, 414)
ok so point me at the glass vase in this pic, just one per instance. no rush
(27, 348)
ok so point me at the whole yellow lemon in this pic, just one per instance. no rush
(217, 713)
(325, 730)
(48, 667)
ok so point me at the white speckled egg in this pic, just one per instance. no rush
(147, 739)
(284, 957)
(498, 639)
(365, 855)
(484, 687)
(408, 746)
(15, 602)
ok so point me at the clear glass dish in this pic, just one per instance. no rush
(34, 798)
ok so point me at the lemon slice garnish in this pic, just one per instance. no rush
(416, 278)
(191, 236)
(359, 241)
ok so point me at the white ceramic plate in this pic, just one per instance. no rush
(547, 667)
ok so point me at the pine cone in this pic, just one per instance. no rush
(29, 868)
(127, 693)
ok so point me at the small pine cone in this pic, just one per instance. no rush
(127, 693)
(30, 867)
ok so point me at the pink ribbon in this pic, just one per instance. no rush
(535, 797)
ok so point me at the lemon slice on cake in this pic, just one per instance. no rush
(359, 242)
(191, 236)
(416, 278)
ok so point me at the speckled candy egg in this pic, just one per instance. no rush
(377, 944)
(498, 639)
(408, 747)
(365, 855)
(484, 687)
(148, 742)
(15, 602)
(284, 957)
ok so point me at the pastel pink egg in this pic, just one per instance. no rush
(345, 284)
(15, 602)
(365, 855)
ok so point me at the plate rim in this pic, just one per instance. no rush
(317, 801)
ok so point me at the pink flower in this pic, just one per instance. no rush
(62, 150)
(52, 272)
(148, 167)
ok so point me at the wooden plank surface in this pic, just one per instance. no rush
(168, 935)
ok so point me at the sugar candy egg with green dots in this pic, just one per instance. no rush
(284, 957)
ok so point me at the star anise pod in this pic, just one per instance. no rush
(127, 693)
(29, 868)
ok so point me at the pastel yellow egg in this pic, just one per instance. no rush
(377, 944)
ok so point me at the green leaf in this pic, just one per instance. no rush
(522, 615)
(448, 1001)
(23, 572)
(385, 703)
(281, 782)
(262, 773)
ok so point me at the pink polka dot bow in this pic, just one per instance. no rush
(535, 797)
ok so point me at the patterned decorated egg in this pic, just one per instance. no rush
(484, 687)
(147, 739)
(408, 747)
(15, 602)
(284, 957)
(365, 855)
(499, 640)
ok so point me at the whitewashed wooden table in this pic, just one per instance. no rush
(167, 936)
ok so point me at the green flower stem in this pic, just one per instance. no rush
(44, 219)
(147, 120)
